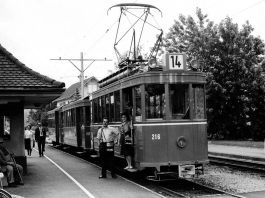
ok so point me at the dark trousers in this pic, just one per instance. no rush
(107, 161)
(41, 145)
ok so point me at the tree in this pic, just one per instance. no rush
(39, 115)
(233, 60)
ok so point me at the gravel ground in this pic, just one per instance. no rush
(232, 180)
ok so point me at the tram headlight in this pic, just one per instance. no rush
(181, 142)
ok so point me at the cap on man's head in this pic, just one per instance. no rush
(1, 140)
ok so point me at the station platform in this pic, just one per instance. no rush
(59, 174)
(240, 152)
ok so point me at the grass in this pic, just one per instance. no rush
(253, 144)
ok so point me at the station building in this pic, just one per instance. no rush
(21, 88)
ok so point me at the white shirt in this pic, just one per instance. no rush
(41, 133)
(107, 134)
(28, 134)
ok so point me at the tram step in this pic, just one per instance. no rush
(80, 152)
(94, 156)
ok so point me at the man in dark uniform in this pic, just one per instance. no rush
(106, 137)
(40, 137)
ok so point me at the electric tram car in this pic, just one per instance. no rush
(165, 101)
(167, 110)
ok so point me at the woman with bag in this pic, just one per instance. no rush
(126, 140)
(106, 137)
(28, 139)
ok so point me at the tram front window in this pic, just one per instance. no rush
(179, 101)
(155, 101)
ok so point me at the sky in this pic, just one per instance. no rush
(36, 31)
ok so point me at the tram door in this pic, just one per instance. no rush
(61, 125)
(127, 105)
(57, 128)
(78, 126)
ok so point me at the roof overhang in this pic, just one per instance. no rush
(33, 98)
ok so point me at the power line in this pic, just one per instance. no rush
(81, 69)
(249, 7)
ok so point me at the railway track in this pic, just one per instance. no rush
(178, 188)
(251, 164)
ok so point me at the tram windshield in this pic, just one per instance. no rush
(179, 101)
(155, 101)
(199, 105)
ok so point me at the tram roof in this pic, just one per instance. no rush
(152, 77)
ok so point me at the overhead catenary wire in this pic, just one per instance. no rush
(249, 7)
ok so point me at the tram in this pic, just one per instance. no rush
(166, 104)
(69, 125)
(167, 108)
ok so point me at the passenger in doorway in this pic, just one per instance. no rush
(40, 137)
(28, 139)
(126, 140)
(9, 167)
(107, 136)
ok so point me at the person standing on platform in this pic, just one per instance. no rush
(9, 166)
(107, 136)
(40, 137)
(126, 140)
(28, 139)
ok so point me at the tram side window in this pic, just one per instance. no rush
(179, 101)
(117, 106)
(81, 115)
(111, 112)
(73, 117)
(100, 110)
(107, 102)
(87, 116)
(103, 106)
(138, 113)
(198, 108)
(127, 98)
(95, 110)
(155, 101)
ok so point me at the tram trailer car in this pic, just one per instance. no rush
(71, 126)
(167, 109)
(75, 123)
(53, 127)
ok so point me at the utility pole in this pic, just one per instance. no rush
(81, 70)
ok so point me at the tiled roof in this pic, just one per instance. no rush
(69, 92)
(14, 74)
